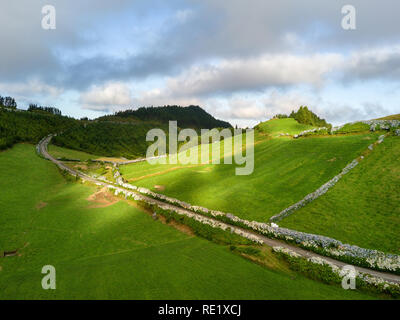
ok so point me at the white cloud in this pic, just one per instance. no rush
(183, 15)
(29, 88)
(110, 96)
(375, 63)
(254, 74)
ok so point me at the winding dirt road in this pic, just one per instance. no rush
(42, 148)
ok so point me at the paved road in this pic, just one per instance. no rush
(270, 242)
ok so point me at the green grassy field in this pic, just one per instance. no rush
(275, 127)
(364, 207)
(59, 152)
(285, 171)
(353, 127)
(117, 251)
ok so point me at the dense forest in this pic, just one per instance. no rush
(108, 139)
(305, 116)
(187, 117)
(24, 126)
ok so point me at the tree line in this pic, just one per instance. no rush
(8, 102)
(36, 108)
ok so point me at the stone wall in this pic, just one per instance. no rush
(321, 190)
(314, 195)
(305, 132)
(383, 124)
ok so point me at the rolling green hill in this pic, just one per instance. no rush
(285, 171)
(105, 248)
(364, 207)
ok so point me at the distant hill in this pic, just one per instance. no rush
(392, 117)
(187, 117)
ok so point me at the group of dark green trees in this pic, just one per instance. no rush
(187, 117)
(40, 109)
(8, 102)
(305, 116)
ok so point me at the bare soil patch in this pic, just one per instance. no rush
(102, 198)
(81, 166)
(159, 187)
(41, 205)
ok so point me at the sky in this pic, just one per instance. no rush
(242, 61)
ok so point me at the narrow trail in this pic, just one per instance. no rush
(42, 148)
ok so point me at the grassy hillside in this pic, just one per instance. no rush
(353, 127)
(275, 127)
(392, 117)
(59, 152)
(104, 248)
(285, 171)
(364, 207)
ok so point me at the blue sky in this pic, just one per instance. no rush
(241, 61)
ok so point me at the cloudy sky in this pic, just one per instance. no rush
(242, 61)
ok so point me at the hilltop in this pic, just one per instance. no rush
(305, 116)
(187, 117)
(276, 127)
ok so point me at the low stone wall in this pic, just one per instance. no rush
(321, 190)
(383, 124)
(305, 132)
(314, 195)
